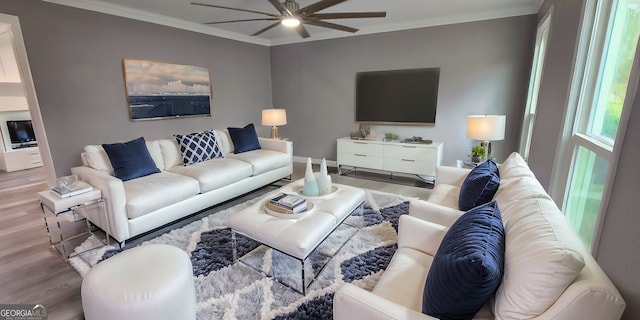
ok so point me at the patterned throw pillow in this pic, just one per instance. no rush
(198, 147)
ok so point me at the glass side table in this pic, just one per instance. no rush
(60, 215)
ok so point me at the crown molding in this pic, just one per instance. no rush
(416, 24)
(135, 14)
(121, 11)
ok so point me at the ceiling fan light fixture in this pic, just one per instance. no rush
(290, 22)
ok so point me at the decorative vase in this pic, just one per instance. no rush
(324, 183)
(476, 158)
(310, 185)
(323, 179)
(323, 167)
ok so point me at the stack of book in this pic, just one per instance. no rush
(77, 188)
(287, 204)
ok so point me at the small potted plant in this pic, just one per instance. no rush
(390, 137)
(477, 153)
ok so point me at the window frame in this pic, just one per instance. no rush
(595, 27)
(537, 70)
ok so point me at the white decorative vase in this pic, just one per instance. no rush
(324, 183)
(310, 185)
(323, 167)
(323, 179)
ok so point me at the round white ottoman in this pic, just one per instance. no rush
(148, 282)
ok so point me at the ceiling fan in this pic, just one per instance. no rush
(291, 15)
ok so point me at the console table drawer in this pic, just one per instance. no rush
(410, 166)
(360, 147)
(360, 160)
(410, 152)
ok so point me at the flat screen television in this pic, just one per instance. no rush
(20, 131)
(397, 96)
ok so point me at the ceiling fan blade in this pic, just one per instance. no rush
(302, 31)
(269, 27)
(242, 20)
(347, 15)
(280, 7)
(314, 7)
(236, 9)
(324, 24)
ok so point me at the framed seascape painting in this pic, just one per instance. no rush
(158, 90)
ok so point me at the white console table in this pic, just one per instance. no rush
(409, 158)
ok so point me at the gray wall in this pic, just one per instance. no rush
(76, 62)
(484, 65)
(618, 252)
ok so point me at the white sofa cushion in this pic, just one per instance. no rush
(514, 167)
(403, 280)
(150, 193)
(542, 257)
(171, 155)
(263, 160)
(215, 173)
(97, 158)
(519, 189)
(445, 195)
(224, 141)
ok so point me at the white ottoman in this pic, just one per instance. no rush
(148, 282)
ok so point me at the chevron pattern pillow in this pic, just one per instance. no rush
(198, 147)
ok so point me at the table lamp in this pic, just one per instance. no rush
(486, 128)
(274, 117)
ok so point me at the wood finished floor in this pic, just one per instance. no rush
(32, 273)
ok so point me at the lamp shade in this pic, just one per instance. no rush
(274, 117)
(486, 127)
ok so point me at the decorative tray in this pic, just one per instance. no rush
(334, 189)
(274, 212)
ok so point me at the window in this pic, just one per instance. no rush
(542, 37)
(606, 54)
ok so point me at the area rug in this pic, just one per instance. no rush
(225, 290)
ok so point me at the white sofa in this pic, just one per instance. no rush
(548, 273)
(143, 204)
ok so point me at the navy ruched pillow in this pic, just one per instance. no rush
(468, 266)
(479, 186)
(130, 159)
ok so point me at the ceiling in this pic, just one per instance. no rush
(401, 15)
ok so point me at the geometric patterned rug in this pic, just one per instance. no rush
(225, 290)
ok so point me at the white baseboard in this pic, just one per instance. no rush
(330, 163)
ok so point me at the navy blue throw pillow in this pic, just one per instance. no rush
(479, 186)
(131, 159)
(468, 266)
(244, 139)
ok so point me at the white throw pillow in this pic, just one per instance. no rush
(542, 257)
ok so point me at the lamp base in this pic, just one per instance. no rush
(487, 148)
(274, 133)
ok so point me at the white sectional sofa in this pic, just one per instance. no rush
(143, 204)
(548, 273)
